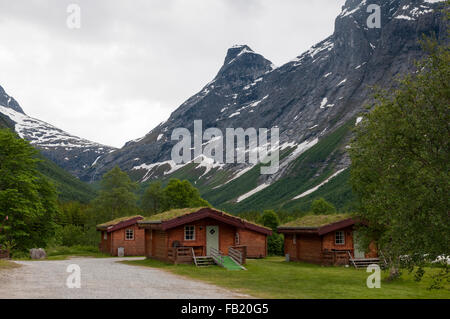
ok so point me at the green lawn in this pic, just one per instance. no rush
(274, 278)
(63, 252)
(6, 264)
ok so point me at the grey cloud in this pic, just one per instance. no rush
(133, 62)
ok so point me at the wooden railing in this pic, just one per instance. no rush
(217, 256)
(336, 257)
(236, 255)
(193, 256)
(181, 255)
(351, 259)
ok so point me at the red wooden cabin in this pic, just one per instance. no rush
(122, 235)
(324, 239)
(200, 230)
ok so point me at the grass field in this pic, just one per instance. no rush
(6, 264)
(274, 278)
(63, 252)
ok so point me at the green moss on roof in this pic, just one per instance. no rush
(175, 213)
(117, 221)
(171, 214)
(316, 221)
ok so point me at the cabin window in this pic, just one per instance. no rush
(339, 238)
(129, 234)
(105, 235)
(189, 232)
(294, 239)
(236, 239)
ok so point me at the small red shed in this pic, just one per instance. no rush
(200, 230)
(122, 236)
(324, 239)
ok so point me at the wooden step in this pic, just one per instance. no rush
(203, 261)
(364, 263)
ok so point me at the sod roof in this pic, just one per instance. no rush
(316, 221)
(176, 213)
(117, 221)
(170, 214)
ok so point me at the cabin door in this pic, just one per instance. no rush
(358, 251)
(212, 238)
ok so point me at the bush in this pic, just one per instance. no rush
(72, 235)
(20, 254)
(275, 244)
(322, 207)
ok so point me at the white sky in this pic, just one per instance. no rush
(133, 62)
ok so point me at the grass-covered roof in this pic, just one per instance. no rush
(316, 221)
(171, 214)
(116, 221)
(175, 213)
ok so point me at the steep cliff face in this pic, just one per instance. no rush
(314, 100)
(70, 152)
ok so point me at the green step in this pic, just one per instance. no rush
(230, 264)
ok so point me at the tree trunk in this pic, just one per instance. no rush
(393, 273)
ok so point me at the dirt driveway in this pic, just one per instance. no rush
(102, 278)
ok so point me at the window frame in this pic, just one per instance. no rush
(341, 232)
(186, 232)
(237, 239)
(105, 235)
(126, 234)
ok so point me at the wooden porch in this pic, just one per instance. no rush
(187, 255)
(344, 257)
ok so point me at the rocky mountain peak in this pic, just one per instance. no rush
(237, 50)
(242, 65)
(9, 101)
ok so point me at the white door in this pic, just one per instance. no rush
(212, 238)
(358, 251)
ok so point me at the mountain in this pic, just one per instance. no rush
(68, 186)
(72, 153)
(315, 100)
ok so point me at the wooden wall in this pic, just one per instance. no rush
(116, 239)
(159, 242)
(329, 240)
(256, 243)
(310, 247)
(289, 247)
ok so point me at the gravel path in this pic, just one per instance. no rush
(102, 278)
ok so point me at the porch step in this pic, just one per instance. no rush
(204, 261)
(364, 263)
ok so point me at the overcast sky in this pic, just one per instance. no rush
(133, 62)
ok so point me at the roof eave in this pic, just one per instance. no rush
(293, 230)
(208, 212)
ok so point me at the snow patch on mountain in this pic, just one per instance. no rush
(252, 192)
(312, 190)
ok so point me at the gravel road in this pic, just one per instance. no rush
(102, 278)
